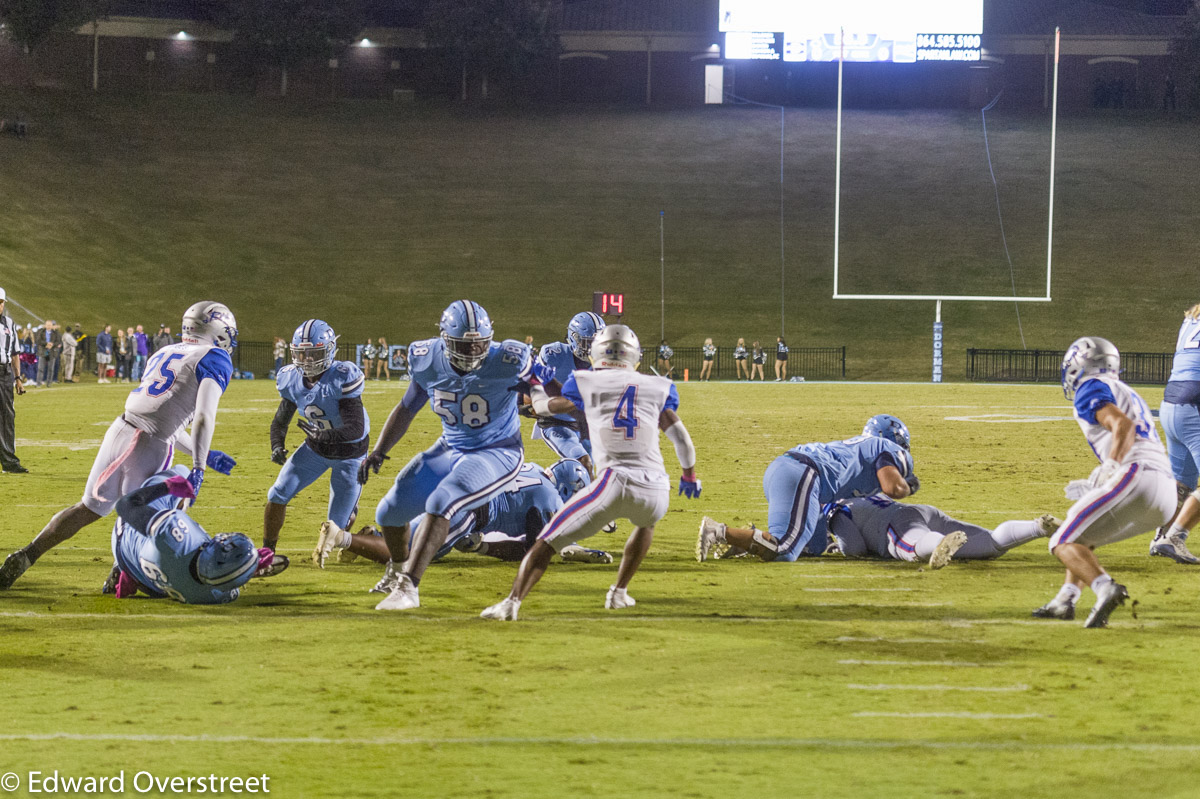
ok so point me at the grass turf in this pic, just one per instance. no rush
(375, 216)
(825, 678)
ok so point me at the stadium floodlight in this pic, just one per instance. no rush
(837, 208)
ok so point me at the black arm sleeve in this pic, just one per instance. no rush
(279, 425)
(134, 508)
(354, 419)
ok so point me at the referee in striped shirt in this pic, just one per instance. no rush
(9, 366)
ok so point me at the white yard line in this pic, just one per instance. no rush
(952, 664)
(989, 689)
(850, 639)
(867, 714)
(854, 590)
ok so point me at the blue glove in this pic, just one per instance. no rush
(543, 373)
(195, 479)
(220, 462)
(689, 488)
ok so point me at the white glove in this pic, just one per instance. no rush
(1077, 488)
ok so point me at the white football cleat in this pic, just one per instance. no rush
(326, 542)
(504, 610)
(943, 553)
(1048, 524)
(611, 527)
(1055, 609)
(1172, 546)
(618, 598)
(403, 596)
(711, 539)
(391, 575)
(1107, 600)
(573, 553)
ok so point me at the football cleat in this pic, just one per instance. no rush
(14, 566)
(504, 610)
(344, 556)
(1048, 524)
(326, 542)
(611, 527)
(1055, 609)
(403, 596)
(110, 582)
(618, 598)
(269, 568)
(391, 575)
(1172, 546)
(711, 540)
(573, 553)
(1109, 598)
(943, 553)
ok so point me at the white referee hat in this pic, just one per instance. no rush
(3, 297)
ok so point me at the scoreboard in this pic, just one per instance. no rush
(607, 303)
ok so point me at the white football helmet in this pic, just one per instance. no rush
(209, 322)
(1088, 357)
(616, 347)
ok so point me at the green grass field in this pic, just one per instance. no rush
(375, 216)
(827, 678)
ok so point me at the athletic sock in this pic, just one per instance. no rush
(1069, 593)
(1177, 530)
(1012, 534)
(344, 539)
(1099, 583)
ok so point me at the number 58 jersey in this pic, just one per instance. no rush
(622, 409)
(165, 400)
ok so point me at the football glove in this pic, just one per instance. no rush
(279, 456)
(543, 373)
(196, 479)
(220, 462)
(371, 463)
(689, 488)
(316, 433)
(914, 484)
(180, 487)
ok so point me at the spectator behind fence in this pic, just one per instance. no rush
(739, 358)
(781, 356)
(163, 338)
(104, 351)
(281, 349)
(83, 349)
(368, 358)
(49, 347)
(665, 354)
(710, 353)
(141, 349)
(29, 355)
(69, 345)
(758, 358)
(124, 355)
(382, 360)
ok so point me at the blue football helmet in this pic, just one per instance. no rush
(314, 347)
(1088, 357)
(887, 426)
(228, 560)
(582, 328)
(467, 332)
(568, 476)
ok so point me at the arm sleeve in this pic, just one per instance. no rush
(672, 403)
(353, 421)
(134, 508)
(1091, 397)
(415, 398)
(205, 421)
(889, 458)
(678, 435)
(570, 390)
(279, 425)
(216, 366)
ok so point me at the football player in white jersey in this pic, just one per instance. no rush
(181, 384)
(1132, 493)
(624, 410)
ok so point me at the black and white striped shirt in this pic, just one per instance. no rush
(9, 345)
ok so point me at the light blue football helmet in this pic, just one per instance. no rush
(228, 560)
(582, 328)
(887, 426)
(314, 347)
(568, 476)
(467, 331)
(1088, 356)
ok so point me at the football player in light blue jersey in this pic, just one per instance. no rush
(1180, 417)
(564, 433)
(472, 384)
(809, 476)
(328, 394)
(163, 552)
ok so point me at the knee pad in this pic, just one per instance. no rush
(1182, 492)
(764, 545)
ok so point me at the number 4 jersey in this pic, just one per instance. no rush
(166, 399)
(622, 410)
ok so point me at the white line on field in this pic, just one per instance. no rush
(803, 576)
(959, 664)
(867, 714)
(850, 639)
(882, 605)
(990, 689)
(854, 590)
(700, 743)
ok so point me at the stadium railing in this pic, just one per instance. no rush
(1045, 366)
(811, 363)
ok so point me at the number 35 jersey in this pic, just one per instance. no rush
(1094, 394)
(478, 409)
(622, 409)
(165, 400)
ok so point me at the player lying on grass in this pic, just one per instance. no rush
(1132, 494)
(799, 483)
(162, 552)
(504, 528)
(328, 394)
(878, 527)
(182, 385)
(625, 410)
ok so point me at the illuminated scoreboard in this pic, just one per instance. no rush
(607, 303)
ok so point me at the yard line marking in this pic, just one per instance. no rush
(853, 590)
(867, 714)
(804, 576)
(1041, 623)
(963, 664)
(990, 689)
(879, 605)
(877, 639)
(705, 743)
